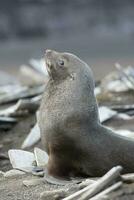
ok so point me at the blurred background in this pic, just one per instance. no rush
(101, 32)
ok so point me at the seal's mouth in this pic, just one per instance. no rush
(48, 66)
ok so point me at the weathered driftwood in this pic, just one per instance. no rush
(127, 76)
(30, 76)
(128, 178)
(96, 187)
(103, 194)
(86, 183)
(22, 107)
(26, 92)
(7, 122)
(122, 108)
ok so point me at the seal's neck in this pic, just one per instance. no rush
(94, 113)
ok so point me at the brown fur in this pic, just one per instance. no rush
(77, 144)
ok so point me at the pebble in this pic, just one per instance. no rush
(1, 174)
(33, 182)
(13, 173)
(3, 156)
(1, 146)
(7, 141)
(53, 195)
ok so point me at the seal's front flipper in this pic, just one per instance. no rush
(56, 181)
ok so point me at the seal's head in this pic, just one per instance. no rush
(62, 65)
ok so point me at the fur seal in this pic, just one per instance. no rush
(77, 144)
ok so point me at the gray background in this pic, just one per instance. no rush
(99, 31)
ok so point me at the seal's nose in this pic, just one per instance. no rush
(48, 52)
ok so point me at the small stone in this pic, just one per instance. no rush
(1, 174)
(41, 157)
(7, 140)
(38, 171)
(128, 178)
(33, 182)
(1, 146)
(13, 173)
(53, 195)
(3, 156)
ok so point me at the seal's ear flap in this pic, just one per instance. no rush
(61, 62)
(65, 57)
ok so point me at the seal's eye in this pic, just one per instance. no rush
(61, 62)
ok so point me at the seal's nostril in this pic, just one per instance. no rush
(48, 52)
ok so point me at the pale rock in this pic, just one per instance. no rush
(41, 157)
(97, 91)
(105, 113)
(22, 160)
(13, 173)
(32, 182)
(53, 195)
